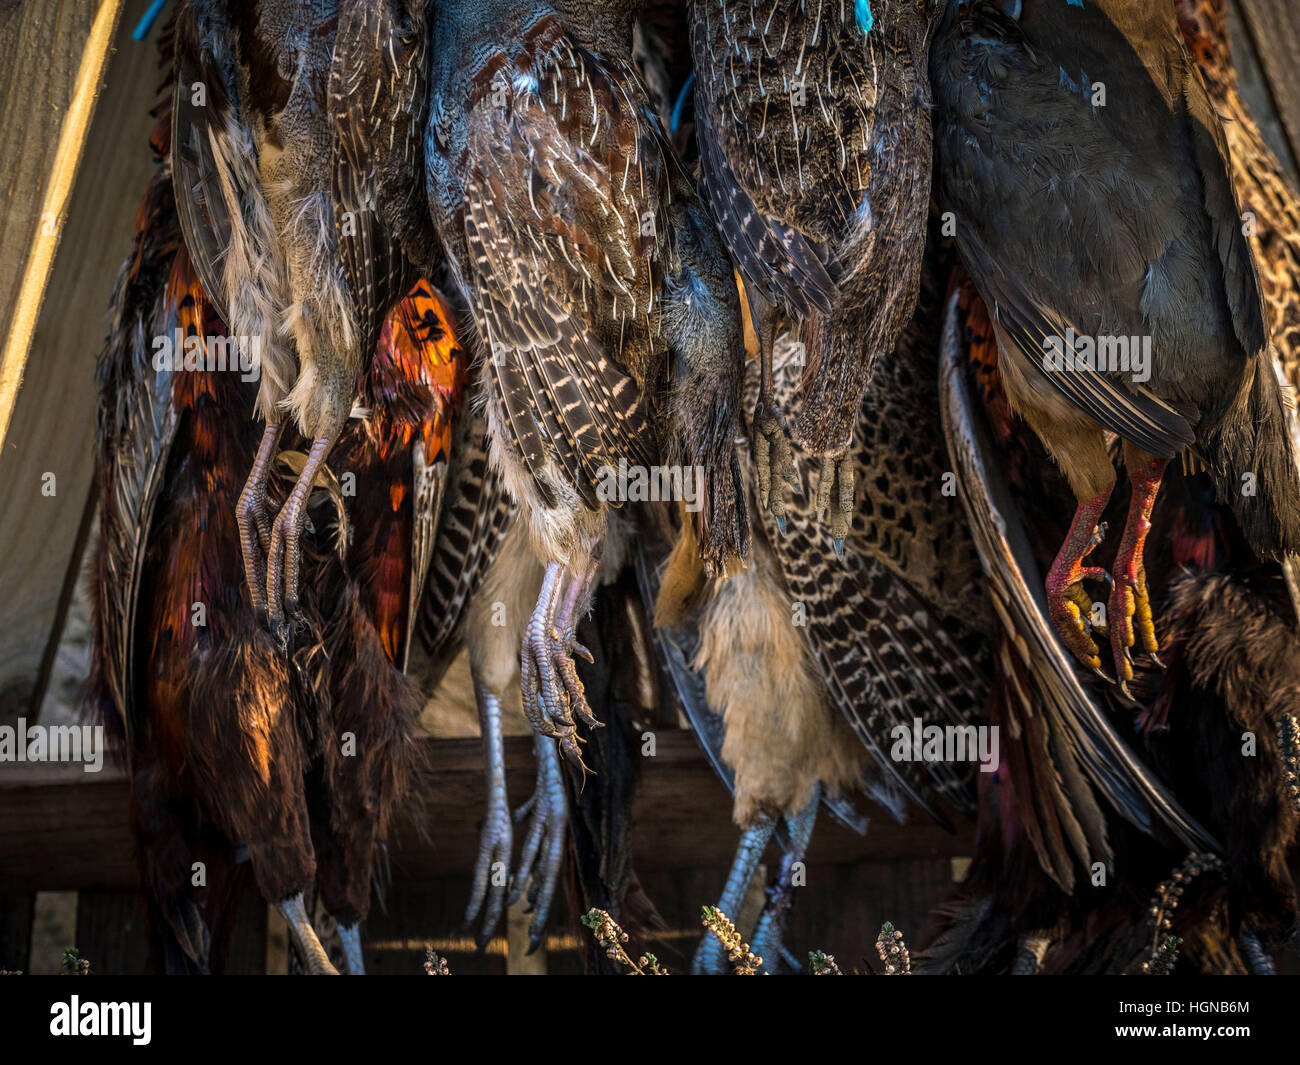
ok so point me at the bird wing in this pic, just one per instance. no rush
(1065, 742)
(202, 107)
(564, 225)
(1136, 414)
(774, 257)
(785, 108)
(376, 91)
(157, 292)
(1210, 148)
(1029, 203)
(472, 525)
(887, 653)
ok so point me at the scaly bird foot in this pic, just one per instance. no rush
(835, 497)
(282, 610)
(496, 838)
(548, 678)
(253, 517)
(773, 460)
(1071, 609)
(1130, 606)
(308, 944)
(1131, 621)
(710, 957)
(543, 850)
(1074, 614)
(353, 959)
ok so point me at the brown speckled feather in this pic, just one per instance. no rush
(899, 625)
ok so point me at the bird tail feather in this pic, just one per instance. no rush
(1252, 451)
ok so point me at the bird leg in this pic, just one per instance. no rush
(1129, 613)
(710, 957)
(1031, 951)
(566, 633)
(496, 840)
(548, 679)
(772, 451)
(254, 519)
(304, 937)
(286, 536)
(350, 937)
(548, 813)
(768, 933)
(1260, 961)
(1069, 606)
(835, 496)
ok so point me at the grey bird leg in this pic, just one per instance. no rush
(548, 812)
(286, 535)
(1259, 960)
(548, 680)
(768, 933)
(350, 937)
(710, 959)
(773, 456)
(496, 837)
(251, 514)
(304, 937)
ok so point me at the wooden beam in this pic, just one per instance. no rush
(52, 422)
(61, 50)
(64, 829)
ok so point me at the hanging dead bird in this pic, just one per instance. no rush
(271, 159)
(1129, 302)
(1231, 632)
(482, 583)
(231, 746)
(810, 663)
(814, 135)
(604, 300)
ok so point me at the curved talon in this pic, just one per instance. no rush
(1068, 604)
(551, 688)
(546, 836)
(1070, 611)
(252, 516)
(284, 556)
(835, 488)
(772, 455)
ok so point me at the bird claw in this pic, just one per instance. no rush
(772, 455)
(1130, 603)
(1071, 611)
(835, 496)
(552, 690)
(490, 885)
(549, 809)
